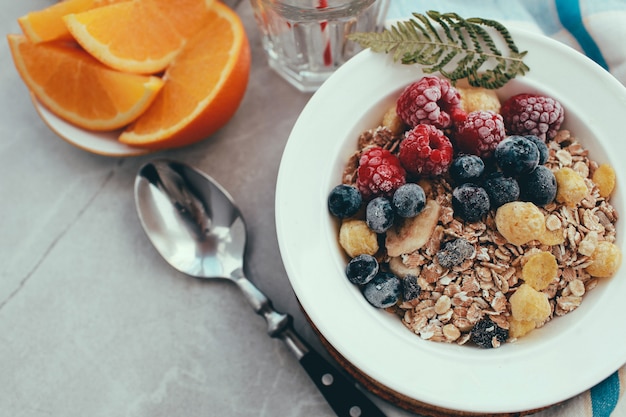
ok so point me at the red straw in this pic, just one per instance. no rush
(328, 57)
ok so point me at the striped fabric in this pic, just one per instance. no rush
(596, 28)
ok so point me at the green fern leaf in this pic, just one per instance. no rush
(455, 47)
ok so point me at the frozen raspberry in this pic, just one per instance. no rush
(479, 133)
(430, 101)
(425, 151)
(530, 114)
(379, 173)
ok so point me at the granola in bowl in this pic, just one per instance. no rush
(511, 223)
(587, 341)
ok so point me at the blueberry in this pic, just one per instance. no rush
(383, 291)
(501, 189)
(470, 202)
(344, 201)
(362, 269)
(541, 146)
(455, 252)
(379, 214)
(410, 288)
(539, 186)
(488, 334)
(516, 155)
(466, 168)
(409, 200)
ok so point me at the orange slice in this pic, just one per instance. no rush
(203, 89)
(186, 16)
(78, 88)
(47, 24)
(140, 36)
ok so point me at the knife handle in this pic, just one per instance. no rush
(342, 395)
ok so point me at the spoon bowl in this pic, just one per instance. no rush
(193, 222)
(197, 228)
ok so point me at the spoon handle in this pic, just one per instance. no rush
(341, 393)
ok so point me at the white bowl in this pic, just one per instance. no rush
(564, 358)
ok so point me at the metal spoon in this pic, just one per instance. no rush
(197, 228)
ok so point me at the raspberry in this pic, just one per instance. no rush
(530, 114)
(479, 133)
(380, 173)
(430, 101)
(426, 151)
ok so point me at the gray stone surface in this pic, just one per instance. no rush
(92, 321)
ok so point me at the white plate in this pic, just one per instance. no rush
(101, 143)
(560, 360)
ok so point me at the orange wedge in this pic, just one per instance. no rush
(140, 36)
(185, 16)
(47, 24)
(78, 88)
(203, 89)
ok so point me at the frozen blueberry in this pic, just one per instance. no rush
(362, 269)
(487, 334)
(538, 187)
(344, 201)
(410, 288)
(541, 146)
(383, 291)
(516, 155)
(455, 252)
(379, 214)
(409, 200)
(466, 168)
(470, 202)
(501, 189)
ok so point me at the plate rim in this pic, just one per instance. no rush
(67, 132)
